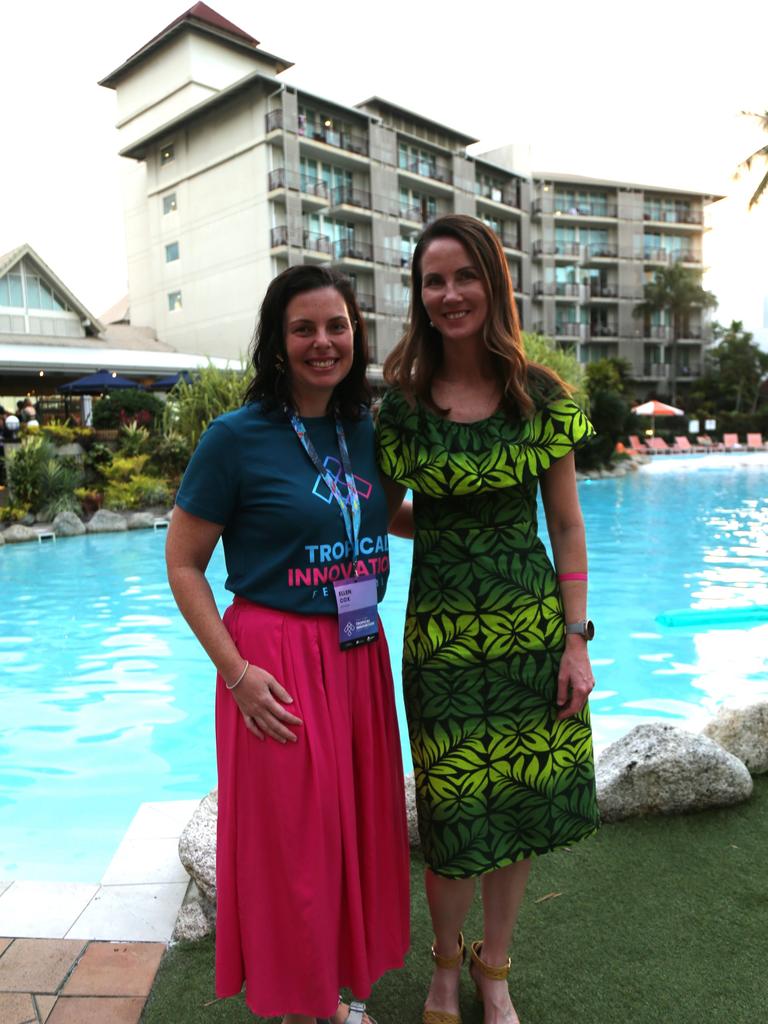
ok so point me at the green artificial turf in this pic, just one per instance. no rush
(655, 921)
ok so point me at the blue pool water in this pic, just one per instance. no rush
(106, 699)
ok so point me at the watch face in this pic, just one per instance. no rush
(589, 629)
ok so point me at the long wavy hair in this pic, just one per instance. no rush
(271, 382)
(413, 362)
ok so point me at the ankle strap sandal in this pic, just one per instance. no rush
(355, 1015)
(445, 963)
(487, 970)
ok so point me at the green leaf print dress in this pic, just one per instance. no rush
(498, 777)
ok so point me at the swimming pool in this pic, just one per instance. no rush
(106, 699)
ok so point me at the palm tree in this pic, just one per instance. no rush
(759, 154)
(676, 290)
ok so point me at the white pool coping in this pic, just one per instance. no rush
(137, 898)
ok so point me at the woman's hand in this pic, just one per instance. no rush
(575, 681)
(261, 698)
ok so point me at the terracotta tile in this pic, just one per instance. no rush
(96, 1010)
(44, 1006)
(17, 1008)
(116, 969)
(37, 965)
(4, 944)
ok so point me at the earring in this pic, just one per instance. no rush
(431, 324)
(280, 364)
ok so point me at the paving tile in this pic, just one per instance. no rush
(161, 820)
(43, 910)
(139, 861)
(110, 969)
(98, 1010)
(38, 965)
(4, 944)
(131, 913)
(44, 1006)
(17, 1008)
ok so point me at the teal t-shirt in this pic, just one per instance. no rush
(284, 537)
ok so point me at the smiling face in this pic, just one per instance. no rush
(319, 346)
(452, 291)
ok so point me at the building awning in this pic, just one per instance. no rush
(23, 359)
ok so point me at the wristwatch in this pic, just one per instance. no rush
(584, 628)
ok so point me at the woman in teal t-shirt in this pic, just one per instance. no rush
(312, 891)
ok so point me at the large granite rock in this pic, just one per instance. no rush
(659, 769)
(104, 521)
(18, 534)
(196, 918)
(743, 732)
(197, 846)
(68, 524)
(140, 520)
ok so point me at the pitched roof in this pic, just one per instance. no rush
(9, 261)
(202, 18)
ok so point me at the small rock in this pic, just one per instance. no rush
(106, 522)
(140, 520)
(68, 524)
(743, 732)
(197, 846)
(195, 920)
(28, 520)
(18, 534)
(659, 769)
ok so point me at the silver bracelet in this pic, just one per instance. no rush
(239, 679)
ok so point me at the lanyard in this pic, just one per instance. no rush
(351, 523)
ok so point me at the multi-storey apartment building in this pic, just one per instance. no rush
(236, 175)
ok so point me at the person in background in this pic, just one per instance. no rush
(312, 858)
(495, 668)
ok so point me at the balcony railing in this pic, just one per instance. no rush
(365, 301)
(340, 136)
(674, 217)
(602, 250)
(603, 291)
(568, 330)
(509, 195)
(658, 370)
(660, 332)
(346, 195)
(316, 242)
(274, 120)
(541, 248)
(281, 178)
(584, 209)
(437, 170)
(653, 255)
(510, 239)
(347, 248)
(278, 236)
(413, 213)
(606, 330)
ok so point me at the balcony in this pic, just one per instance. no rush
(570, 249)
(596, 208)
(508, 195)
(659, 371)
(415, 214)
(274, 120)
(437, 170)
(609, 329)
(653, 255)
(346, 195)
(351, 249)
(658, 332)
(510, 239)
(692, 217)
(603, 291)
(569, 330)
(602, 251)
(278, 236)
(338, 136)
(315, 242)
(365, 301)
(281, 178)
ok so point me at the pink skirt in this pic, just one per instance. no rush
(312, 859)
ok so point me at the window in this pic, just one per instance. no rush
(10, 291)
(169, 203)
(174, 301)
(171, 252)
(167, 154)
(416, 159)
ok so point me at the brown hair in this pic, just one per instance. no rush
(271, 383)
(412, 363)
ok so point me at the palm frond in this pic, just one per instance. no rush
(759, 191)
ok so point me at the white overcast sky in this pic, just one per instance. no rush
(648, 92)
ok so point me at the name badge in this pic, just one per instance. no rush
(358, 617)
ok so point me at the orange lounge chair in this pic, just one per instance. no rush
(659, 445)
(755, 443)
(731, 441)
(682, 444)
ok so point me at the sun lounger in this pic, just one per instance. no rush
(706, 444)
(637, 445)
(755, 443)
(730, 442)
(659, 446)
(683, 445)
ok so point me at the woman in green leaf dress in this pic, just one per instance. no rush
(496, 671)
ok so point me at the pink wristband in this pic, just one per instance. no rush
(571, 576)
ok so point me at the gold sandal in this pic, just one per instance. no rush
(487, 970)
(446, 963)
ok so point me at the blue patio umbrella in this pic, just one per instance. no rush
(95, 383)
(166, 383)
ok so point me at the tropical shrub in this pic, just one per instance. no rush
(191, 405)
(126, 405)
(541, 349)
(169, 455)
(133, 438)
(41, 480)
(137, 492)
